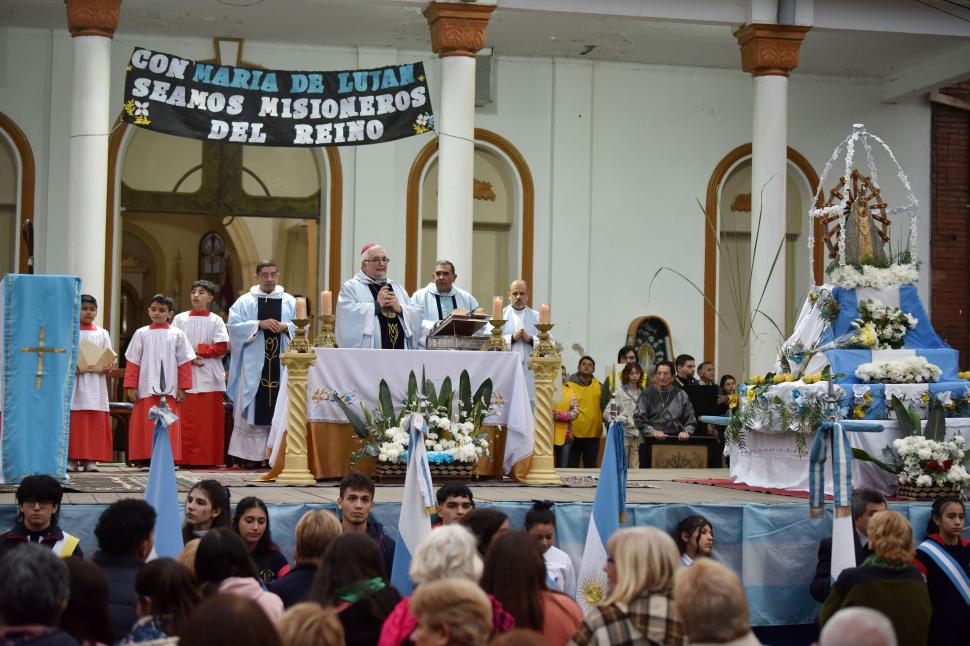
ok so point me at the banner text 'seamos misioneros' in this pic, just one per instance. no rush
(276, 108)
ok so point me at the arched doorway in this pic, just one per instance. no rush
(16, 195)
(503, 216)
(728, 229)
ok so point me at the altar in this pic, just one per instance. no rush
(353, 375)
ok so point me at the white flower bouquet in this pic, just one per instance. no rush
(925, 462)
(891, 323)
(911, 370)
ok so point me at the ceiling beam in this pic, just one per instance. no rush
(933, 74)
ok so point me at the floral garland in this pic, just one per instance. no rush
(851, 277)
(912, 370)
(925, 462)
(891, 323)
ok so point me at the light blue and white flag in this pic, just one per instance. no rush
(609, 507)
(161, 492)
(416, 506)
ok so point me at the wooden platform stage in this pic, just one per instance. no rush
(645, 486)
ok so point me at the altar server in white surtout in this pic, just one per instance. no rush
(441, 297)
(374, 312)
(260, 328)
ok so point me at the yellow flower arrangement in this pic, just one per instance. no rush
(733, 401)
(757, 380)
(751, 394)
(778, 379)
(858, 412)
(925, 398)
(964, 375)
(867, 335)
(812, 379)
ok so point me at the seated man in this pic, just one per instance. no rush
(664, 410)
(355, 502)
(440, 298)
(455, 501)
(374, 312)
(865, 503)
(126, 536)
(38, 501)
(34, 589)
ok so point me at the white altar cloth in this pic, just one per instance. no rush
(355, 375)
(771, 459)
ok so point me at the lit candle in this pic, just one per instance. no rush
(326, 302)
(301, 308)
(543, 314)
(497, 308)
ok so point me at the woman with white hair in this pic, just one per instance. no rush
(450, 551)
(640, 567)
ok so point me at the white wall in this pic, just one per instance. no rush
(620, 155)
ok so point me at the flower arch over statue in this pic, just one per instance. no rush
(860, 220)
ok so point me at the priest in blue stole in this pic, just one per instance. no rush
(260, 329)
(374, 312)
(441, 297)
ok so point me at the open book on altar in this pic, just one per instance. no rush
(460, 323)
(93, 358)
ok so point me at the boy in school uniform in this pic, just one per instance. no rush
(90, 438)
(203, 418)
(152, 347)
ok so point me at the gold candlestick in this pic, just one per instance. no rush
(545, 364)
(496, 342)
(545, 347)
(326, 338)
(298, 358)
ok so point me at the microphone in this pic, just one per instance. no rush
(387, 312)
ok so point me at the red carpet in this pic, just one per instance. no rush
(728, 484)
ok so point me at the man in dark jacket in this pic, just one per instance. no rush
(38, 501)
(865, 503)
(34, 588)
(126, 536)
(356, 502)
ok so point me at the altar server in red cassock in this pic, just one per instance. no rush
(203, 418)
(90, 439)
(152, 347)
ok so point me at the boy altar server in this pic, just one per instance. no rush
(203, 417)
(152, 347)
(90, 438)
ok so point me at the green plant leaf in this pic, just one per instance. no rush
(412, 388)
(860, 454)
(484, 393)
(431, 394)
(360, 428)
(445, 394)
(935, 421)
(386, 402)
(904, 418)
(465, 391)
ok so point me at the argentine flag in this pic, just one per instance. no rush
(608, 509)
(161, 492)
(416, 506)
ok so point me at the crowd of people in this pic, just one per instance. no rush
(477, 580)
(653, 407)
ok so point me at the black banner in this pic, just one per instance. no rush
(276, 108)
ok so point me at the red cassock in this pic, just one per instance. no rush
(90, 436)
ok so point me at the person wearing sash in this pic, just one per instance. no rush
(38, 501)
(260, 328)
(373, 311)
(440, 298)
(944, 559)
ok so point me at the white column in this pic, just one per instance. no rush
(456, 161)
(86, 223)
(769, 161)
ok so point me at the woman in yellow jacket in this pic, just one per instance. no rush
(588, 426)
(564, 411)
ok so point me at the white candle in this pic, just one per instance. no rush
(543, 314)
(301, 308)
(497, 308)
(326, 302)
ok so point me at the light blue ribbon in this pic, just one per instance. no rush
(830, 434)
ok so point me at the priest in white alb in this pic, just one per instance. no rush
(441, 297)
(260, 328)
(520, 327)
(374, 312)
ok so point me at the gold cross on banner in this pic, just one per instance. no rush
(41, 350)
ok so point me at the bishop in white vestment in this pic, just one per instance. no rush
(260, 329)
(374, 312)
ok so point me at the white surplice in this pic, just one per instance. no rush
(151, 349)
(91, 388)
(428, 299)
(205, 330)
